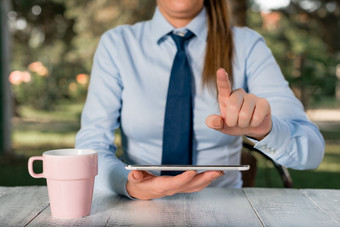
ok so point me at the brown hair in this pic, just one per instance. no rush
(220, 48)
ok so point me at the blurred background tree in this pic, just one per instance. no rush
(304, 39)
(53, 42)
(42, 34)
(62, 36)
(94, 17)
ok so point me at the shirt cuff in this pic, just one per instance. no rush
(275, 143)
(119, 176)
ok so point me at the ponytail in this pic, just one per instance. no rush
(220, 48)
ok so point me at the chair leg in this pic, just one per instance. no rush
(249, 176)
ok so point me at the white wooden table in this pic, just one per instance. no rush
(29, 206)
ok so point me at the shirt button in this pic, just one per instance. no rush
(272, 152)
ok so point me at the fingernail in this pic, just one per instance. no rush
(216, 175)
(217, 123)
(224, 70)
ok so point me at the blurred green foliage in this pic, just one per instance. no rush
(63, 35)
(36, 89)
(306, 51)
(38, 131)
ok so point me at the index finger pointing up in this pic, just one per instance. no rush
(223, 83)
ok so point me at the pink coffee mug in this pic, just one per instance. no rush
(70, 177)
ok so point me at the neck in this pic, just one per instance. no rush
(178, 21)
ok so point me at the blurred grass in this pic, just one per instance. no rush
(327, 175)
(37, 131)
(33, 133)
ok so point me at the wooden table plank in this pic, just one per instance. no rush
(327, 200)
(286, 207)
(210, 207)
(19, 205)
(101, 210)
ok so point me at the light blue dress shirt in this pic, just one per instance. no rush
(128, 89)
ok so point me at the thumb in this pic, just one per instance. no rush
(135, 176)
(215, 122)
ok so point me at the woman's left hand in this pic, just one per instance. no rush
(241, 114)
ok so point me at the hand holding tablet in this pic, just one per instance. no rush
(189, 167)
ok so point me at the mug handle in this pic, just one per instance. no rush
(30, 166)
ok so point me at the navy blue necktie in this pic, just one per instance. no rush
(177, 132)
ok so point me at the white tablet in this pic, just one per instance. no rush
(189, 167)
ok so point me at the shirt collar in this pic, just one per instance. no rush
(160, 27)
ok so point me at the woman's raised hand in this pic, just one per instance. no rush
(241, 113)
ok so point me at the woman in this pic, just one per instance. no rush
(129, 85)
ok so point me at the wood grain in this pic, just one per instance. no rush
(220, 208)
(20, 205)
(28, 206)
(327, 200)
(286, 207)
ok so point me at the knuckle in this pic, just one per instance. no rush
(256, 119)
(244, 115)
(239, 90)
(232, 107)
(251, 96)
(263, 102)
